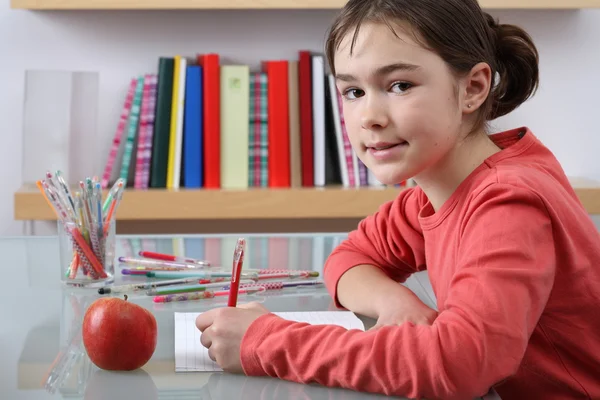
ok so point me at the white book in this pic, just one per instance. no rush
(338, 131)
(318, 103)
(356, 169)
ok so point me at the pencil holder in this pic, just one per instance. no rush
(87, 256)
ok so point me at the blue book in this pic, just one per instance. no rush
(192, 128)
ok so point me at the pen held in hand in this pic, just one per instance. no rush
(238, 260)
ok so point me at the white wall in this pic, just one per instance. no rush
(122, 44)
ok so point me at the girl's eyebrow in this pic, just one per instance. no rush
(381, 71)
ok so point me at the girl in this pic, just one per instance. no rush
(513, 257)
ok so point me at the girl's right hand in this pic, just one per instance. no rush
(404, 306)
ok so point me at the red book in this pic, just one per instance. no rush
(278, 123)
(306, 119)
(212, 119)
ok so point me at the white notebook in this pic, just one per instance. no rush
(191, 356)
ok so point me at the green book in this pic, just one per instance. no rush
(162, 123)
(235, 104)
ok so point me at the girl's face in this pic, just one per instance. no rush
(401, 103)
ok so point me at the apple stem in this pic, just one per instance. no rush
(125, 297)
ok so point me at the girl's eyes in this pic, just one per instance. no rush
(352, 93)
(397, 87)
(401, 87)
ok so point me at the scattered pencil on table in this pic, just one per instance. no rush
(158, 263)
(199, 274)
(289, 272)
(134, 287)
(169, 257)
(149, 268)
(192, 288)
(207, 294)
(289, 275)
(85, 220)
(281, 284)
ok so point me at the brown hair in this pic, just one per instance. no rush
(462, 35)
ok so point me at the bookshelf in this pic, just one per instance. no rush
(293, 204)
(202, 204)
(264, 4)
(294, 209)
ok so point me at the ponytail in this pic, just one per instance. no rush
(517, 66)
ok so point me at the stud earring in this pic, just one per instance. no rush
(468, 105)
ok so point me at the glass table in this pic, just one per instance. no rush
(40, 341)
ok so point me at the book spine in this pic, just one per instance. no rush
(147, 146)
(132, 128)
(347, 147)
(263, 134)
(142, 133)
(252, 121)
(112, 156)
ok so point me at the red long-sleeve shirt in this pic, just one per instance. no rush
(514, 261)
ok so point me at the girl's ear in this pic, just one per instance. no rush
(477, 85)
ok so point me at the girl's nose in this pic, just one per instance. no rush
(374, 114)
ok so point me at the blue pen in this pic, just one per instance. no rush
(99, 204)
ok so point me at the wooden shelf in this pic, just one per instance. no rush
(252, 204)
(161, 204)
(264, 4)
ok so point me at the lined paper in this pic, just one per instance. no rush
(191, 356)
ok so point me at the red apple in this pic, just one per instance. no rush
(119, 335)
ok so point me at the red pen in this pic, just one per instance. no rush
(238, 260)
(169, 257)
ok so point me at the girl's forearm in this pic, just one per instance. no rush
(366, 289)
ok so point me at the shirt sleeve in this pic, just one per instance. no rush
(505, 270)
(391, 239)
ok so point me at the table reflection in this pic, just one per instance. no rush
(71, 374)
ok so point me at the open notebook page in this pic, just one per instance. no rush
(191, 356)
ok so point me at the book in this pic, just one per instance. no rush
(162, 125)
(235, 109)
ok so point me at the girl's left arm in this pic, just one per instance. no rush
(506, 271)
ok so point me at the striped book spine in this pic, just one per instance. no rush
(252, 132)
(364, 174)
(150, 110)
(112, 156)
(132, 128)
(263, 157)
(142, 132)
